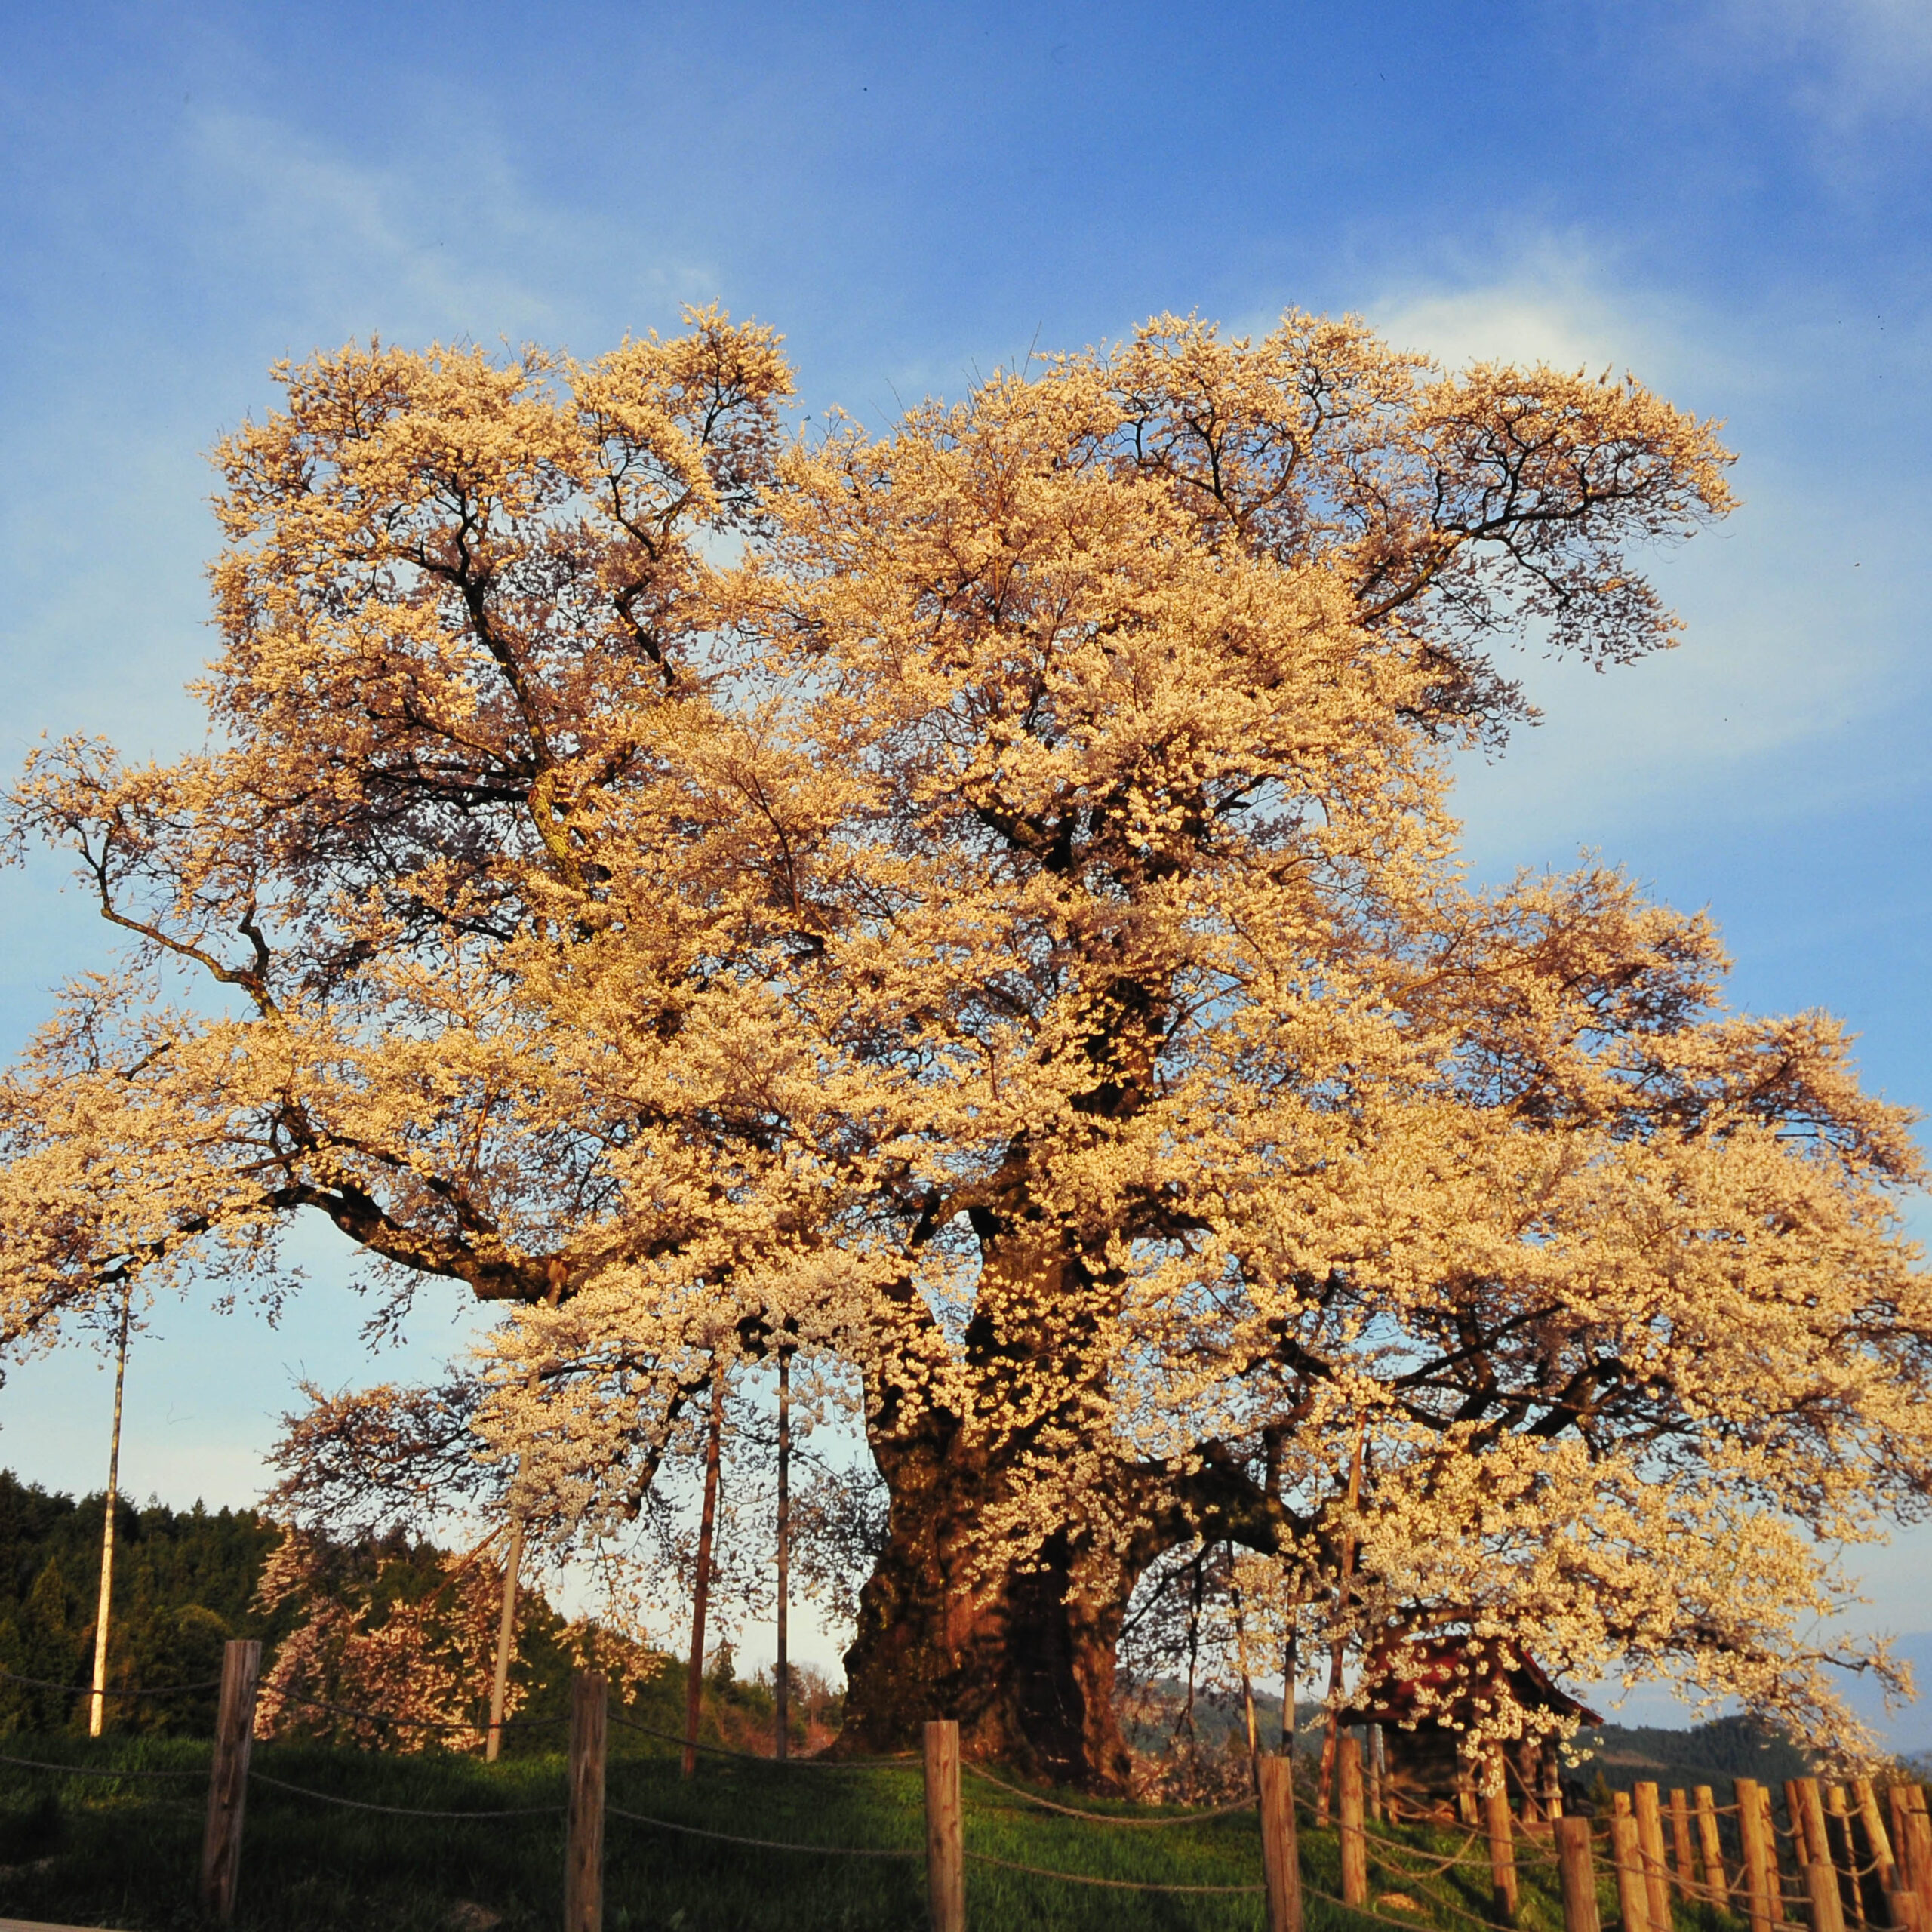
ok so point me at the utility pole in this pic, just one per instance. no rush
(97, 1703)
(783, 1688)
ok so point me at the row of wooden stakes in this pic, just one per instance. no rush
(1828, 1883)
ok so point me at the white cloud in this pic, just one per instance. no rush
(441, 238)
(1852, 60)
(1801, 611)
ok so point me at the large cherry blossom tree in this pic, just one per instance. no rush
(980, 906)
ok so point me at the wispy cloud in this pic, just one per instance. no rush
(443, 237)
(1801, 612)
(1849, 61)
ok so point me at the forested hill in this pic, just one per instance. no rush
(184, 1583)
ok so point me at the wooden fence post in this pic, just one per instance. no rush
(1682, 1858)
(1837, 1809)
(228, 1781)
(1711, 1845)
(1906, 1876)
(1802, 1795)
(1878, 1840)
(1354, 1845)
(945, 1859)
(1376, 1765)
(1821, 1889)
(1778, 1908)
(1577, 1872)
(1752, 1832)
(1918, 1836)
(1502, 1850)
(1632, 1901)
(1281, 1863)
(584, 1853)
(1903, 1909)
(1650, 1841)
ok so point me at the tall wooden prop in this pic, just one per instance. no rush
(782, 1670)
(1355, 1843)
(1502, 1850)
(98, 1701)
(1577, 1871)
(499, 1678)
(584, 1854)
(701, 1584)
(945, 1857)
(1281, 1862)
(228, 1781)
(1339, 1648)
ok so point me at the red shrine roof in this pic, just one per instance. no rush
(1429, 1683)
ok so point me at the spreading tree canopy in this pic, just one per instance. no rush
(980, 904)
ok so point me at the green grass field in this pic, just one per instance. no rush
(123, 1852)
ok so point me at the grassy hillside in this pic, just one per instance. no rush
(124, 1855)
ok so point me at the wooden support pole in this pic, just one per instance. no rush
(1710, 1845)
(1632, 1894)
(1281, 1862)
(1650, 1842)
(945, 1858)
(228, 1781)
(1821, 1888)
(1752, 1830)
(1902, 1907)
(1466, 1790)
(1577, 1871)
(1354, 1845)
(583, 1852)
(1683, 1858)
(1552, 1783)
(1502, 1850)
(1375, 1767)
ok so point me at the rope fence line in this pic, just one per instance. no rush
(87, 1690)
(1114, 1884)
(98, 1771)
(766, 1845)
(400, 1810)
(1191, 1817)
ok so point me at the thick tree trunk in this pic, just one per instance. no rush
(1024, 1662)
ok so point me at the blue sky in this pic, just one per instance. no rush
(1728, 197)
